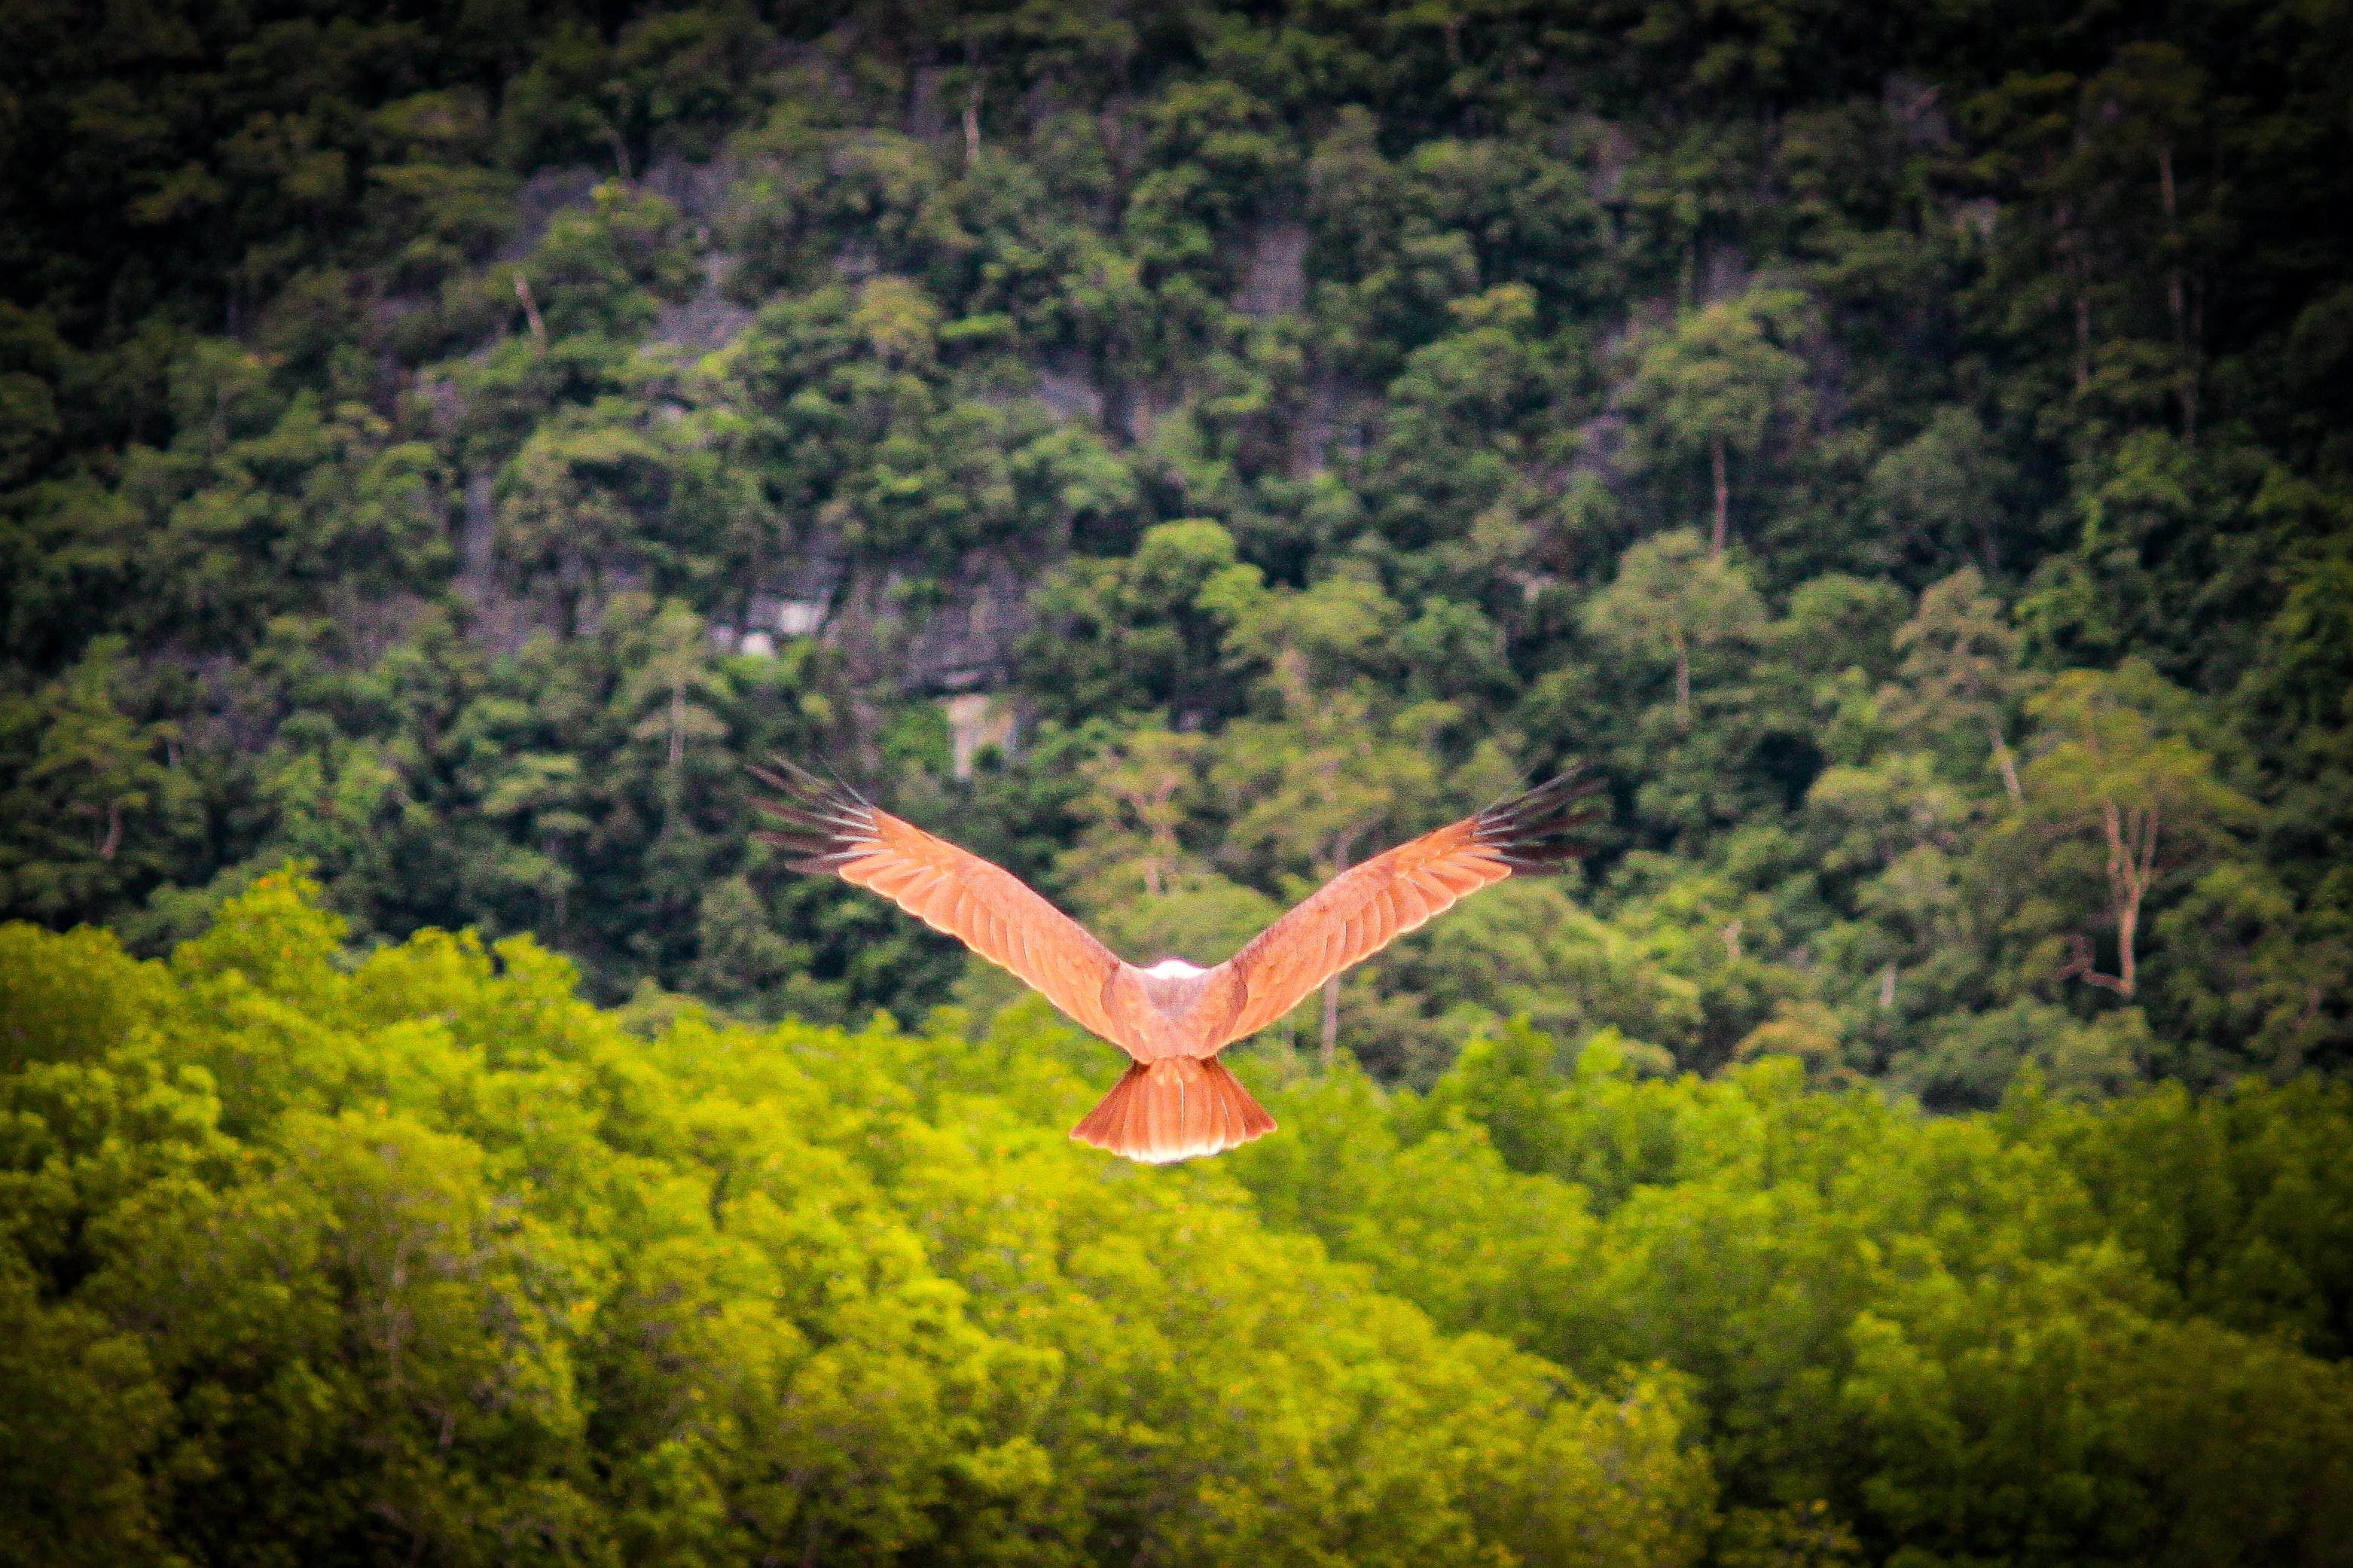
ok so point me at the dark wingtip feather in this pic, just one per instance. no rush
(1535, 831)
(822, 822)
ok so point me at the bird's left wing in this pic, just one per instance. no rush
(830, 828)
(1365, 908)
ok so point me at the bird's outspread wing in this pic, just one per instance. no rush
(828, 828)
(1367, 907)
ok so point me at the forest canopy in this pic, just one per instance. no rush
(1175, 450)
(425, 1259)
(1184, 448)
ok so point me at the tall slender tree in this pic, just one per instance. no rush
(1673, 594)
(1719, 381)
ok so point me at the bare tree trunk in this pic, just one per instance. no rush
(972, 103)
(1723, 531)
(2006, 759)
(2127, 928)
(531, 312)
(2132, 862)
(2177, 301)
(1887, 989)
(2139, 847)
(1683, 685)
(113, 830)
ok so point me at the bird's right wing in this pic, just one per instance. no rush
(1365, 908)
(990, 911)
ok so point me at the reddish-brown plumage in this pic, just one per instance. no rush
(1175, 1108)
(1177, 1102)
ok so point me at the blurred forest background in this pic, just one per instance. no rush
(1176, 451)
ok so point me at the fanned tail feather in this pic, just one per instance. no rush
(1179, 1107)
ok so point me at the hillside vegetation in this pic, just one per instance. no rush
(1904, 453)
(428, 1261)
(1176, 451)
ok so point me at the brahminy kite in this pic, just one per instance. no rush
(1178, 1100)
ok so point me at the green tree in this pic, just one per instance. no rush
(1674, 595)
(1139, 801)
(2149, 799)
(578, 502)
(445, 1260)
(1133, 632)
(676, 666)
(91, 793)
(541, 795)
(1961, 668)
(1717, 382)
(1945, 491)
(342, 358)
(1326, 786)
(1142, 887)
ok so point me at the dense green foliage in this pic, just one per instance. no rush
(419, 1259)
(1903, 451)
(1176, 449)
(423, 1262)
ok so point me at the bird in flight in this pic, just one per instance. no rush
(1178, 1100)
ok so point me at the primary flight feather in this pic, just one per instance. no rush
(1177, 1100)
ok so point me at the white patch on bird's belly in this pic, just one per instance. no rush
(1174, 969)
